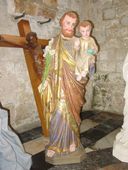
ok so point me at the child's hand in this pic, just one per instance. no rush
(83, 73)
(77, 45)
(90, 51)
(78, 77)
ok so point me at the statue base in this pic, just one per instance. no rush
(120, 151)
(75, 157)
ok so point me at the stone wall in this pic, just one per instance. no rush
(110, 18)
(111, 31)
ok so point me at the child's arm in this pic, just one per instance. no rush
(76, 48)
(77, 44)
(93, 48)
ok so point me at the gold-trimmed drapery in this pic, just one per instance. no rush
(63, 98)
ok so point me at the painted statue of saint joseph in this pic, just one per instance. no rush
(62, 95)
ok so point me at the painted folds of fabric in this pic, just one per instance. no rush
(62, 97)
(12, 154)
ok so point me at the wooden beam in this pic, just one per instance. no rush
(12, 41)
(17, 41)
(43, 42)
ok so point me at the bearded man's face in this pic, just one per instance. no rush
(68, 25)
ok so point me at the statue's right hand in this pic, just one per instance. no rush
(41, 87)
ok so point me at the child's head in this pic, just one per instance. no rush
(85, 28)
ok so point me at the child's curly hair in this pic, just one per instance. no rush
(85, 23)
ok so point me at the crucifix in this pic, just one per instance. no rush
(21, 42)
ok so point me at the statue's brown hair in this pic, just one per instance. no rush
(71, 14)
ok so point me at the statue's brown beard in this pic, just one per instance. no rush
(67, 34)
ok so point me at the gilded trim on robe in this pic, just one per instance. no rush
(62, 97)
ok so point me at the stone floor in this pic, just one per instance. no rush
(98, 131)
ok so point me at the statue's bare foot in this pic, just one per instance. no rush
(50, 153)
(72, 147)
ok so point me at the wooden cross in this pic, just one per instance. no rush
(19, 42)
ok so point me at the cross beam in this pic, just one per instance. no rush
(17, 41)
(20, 42)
